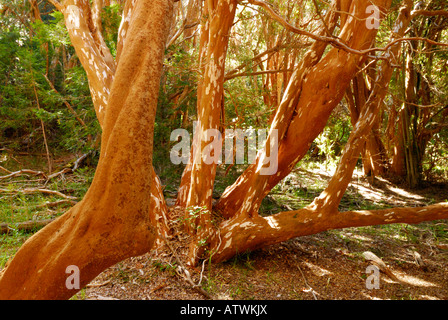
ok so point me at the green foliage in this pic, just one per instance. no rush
(111, 19)
(331, 141)
(34, 56)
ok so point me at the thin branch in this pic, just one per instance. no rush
(4, 169)
(185, 274)
(24, 226)
(48, 204)
(256, 73)
(322, 19)
(333, 41)
(272, 50)
(23, 171)
(429, 13)
(55, 203)
(41, 122)
(70, 170)
(57, 4)
(69, 107)
(39, 190)
(306, 283)
(180, 31)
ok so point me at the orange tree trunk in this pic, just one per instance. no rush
(315, 89)
(243, 232)
(112, 221)
(197, 180)
(373, 154)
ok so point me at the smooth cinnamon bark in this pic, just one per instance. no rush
(320, 92)
(199, 175)
(241, 234)
(112, 221)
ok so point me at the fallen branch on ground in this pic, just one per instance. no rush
(39, 190)
(4, 169)
(51, 204)
(183, 272)
(76, 165)
(369, 256)
(22, 171)
(306, 283)
(23, 226)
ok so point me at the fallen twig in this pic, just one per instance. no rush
(184, 273)
(370, 256)
(69, 107)
(51, 204)
(96, 285)
(39, 190)
(163, 285)
(4, 169)
(22, 171)
(306, 283)
(54, 175)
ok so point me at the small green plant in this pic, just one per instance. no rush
(191, 217)
(81, 295)
(170, 268)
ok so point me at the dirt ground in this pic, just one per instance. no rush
(325, 266)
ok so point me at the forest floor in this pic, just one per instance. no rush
(328, 265)
(324, 266)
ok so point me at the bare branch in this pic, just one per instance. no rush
(57, 4)
(23, 171)
(24, 226)
(39, 190)
(429, 13)
(242, 74)
(332, 40)
(69, 107)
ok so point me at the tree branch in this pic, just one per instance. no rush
(240, 235)
(429, 13)
(24, 226)
(23, 171)
(39, 190)
(242, 74)
(57, 4)
(332, 40)
(69, 107)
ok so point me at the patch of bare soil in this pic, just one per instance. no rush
(325, 266)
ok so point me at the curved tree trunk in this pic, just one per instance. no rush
(199, 175)
(113, 221)
(373, 154)
(315, 89)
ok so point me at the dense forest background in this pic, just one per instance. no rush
(46, 107)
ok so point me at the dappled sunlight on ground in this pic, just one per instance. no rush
(328, 265)
(415, 281)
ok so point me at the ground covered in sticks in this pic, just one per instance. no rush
(329, 265)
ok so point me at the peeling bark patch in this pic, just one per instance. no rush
(272, 222)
